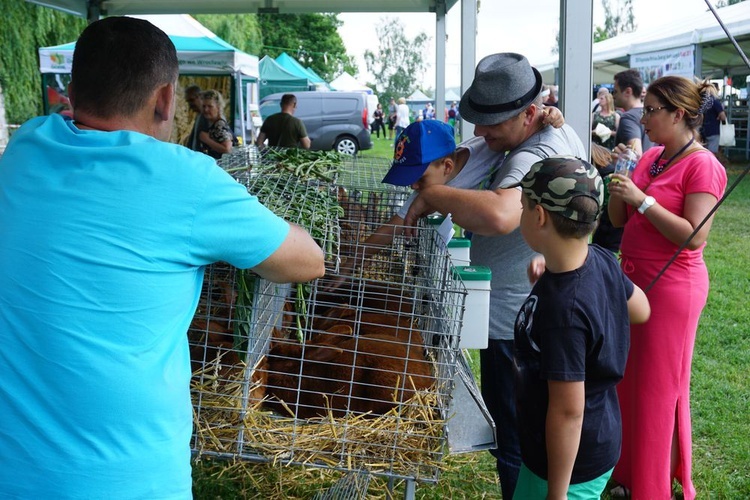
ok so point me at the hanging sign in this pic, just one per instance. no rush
(652, 65)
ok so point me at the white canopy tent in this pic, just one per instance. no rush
(419, 97)
(715, 56)
(346, 82)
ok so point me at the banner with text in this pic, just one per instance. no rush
(652, 65)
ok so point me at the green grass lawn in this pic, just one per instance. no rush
(720, 395)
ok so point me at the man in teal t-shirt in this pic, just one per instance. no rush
(105, 232)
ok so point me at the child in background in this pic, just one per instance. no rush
(571, 337)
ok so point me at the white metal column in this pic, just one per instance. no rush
(440, 54)
(468, 54)
(576, 69)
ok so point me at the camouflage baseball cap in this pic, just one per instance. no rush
(555, 181)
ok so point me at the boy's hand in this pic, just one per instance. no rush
(536, 268)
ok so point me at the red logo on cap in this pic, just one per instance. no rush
(400, 146)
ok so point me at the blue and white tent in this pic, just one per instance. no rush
(200, 52)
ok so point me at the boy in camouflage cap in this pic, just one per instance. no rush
(571, 337)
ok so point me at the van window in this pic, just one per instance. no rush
(340, 106)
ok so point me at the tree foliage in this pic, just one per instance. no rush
(240, 30)
(399, 62)
(312, 39)
(617, 19)
(725, 3)
(26, 28)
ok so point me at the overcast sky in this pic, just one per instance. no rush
(503, 26)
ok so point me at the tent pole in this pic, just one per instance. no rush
(94, 10)
(241, 105)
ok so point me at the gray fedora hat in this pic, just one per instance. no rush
(504, 85)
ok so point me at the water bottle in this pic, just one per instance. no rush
(626, 162)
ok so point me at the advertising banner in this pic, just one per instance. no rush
(679, 61)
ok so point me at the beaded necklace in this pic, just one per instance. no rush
(656, 169)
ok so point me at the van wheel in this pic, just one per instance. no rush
(346, 145)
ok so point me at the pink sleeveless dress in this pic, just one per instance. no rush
(655, 391)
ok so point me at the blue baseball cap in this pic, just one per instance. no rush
(417, 146)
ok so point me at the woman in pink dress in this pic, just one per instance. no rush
(673, 188)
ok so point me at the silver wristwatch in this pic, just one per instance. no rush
(648, 202)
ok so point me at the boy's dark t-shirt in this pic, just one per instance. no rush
(574, 326)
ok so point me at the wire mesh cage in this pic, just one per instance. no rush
(356, 379)
(352, 374)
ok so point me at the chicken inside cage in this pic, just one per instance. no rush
(351, 361)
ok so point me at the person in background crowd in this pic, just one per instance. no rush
(193, 99)
(377, 121)
(429, 112)
(601, 158)
(673, 189)
(712, 119)
(505, 104)
(607, 116)
(452, 115)
(551, 99)
(392, 117)
(217, 139)
(595, 103)
(571, 337)
(283, 129)
(630, 133)
(402, 117)
(106, 231)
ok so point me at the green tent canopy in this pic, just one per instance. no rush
(274, 78)
(294, 67)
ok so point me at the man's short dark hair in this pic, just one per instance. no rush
(288, 100)
(117, 63)
(630, 78)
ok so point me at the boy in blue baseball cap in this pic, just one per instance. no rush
(422, 146)
(425, 155)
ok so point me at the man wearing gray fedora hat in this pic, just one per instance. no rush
(504, 102)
